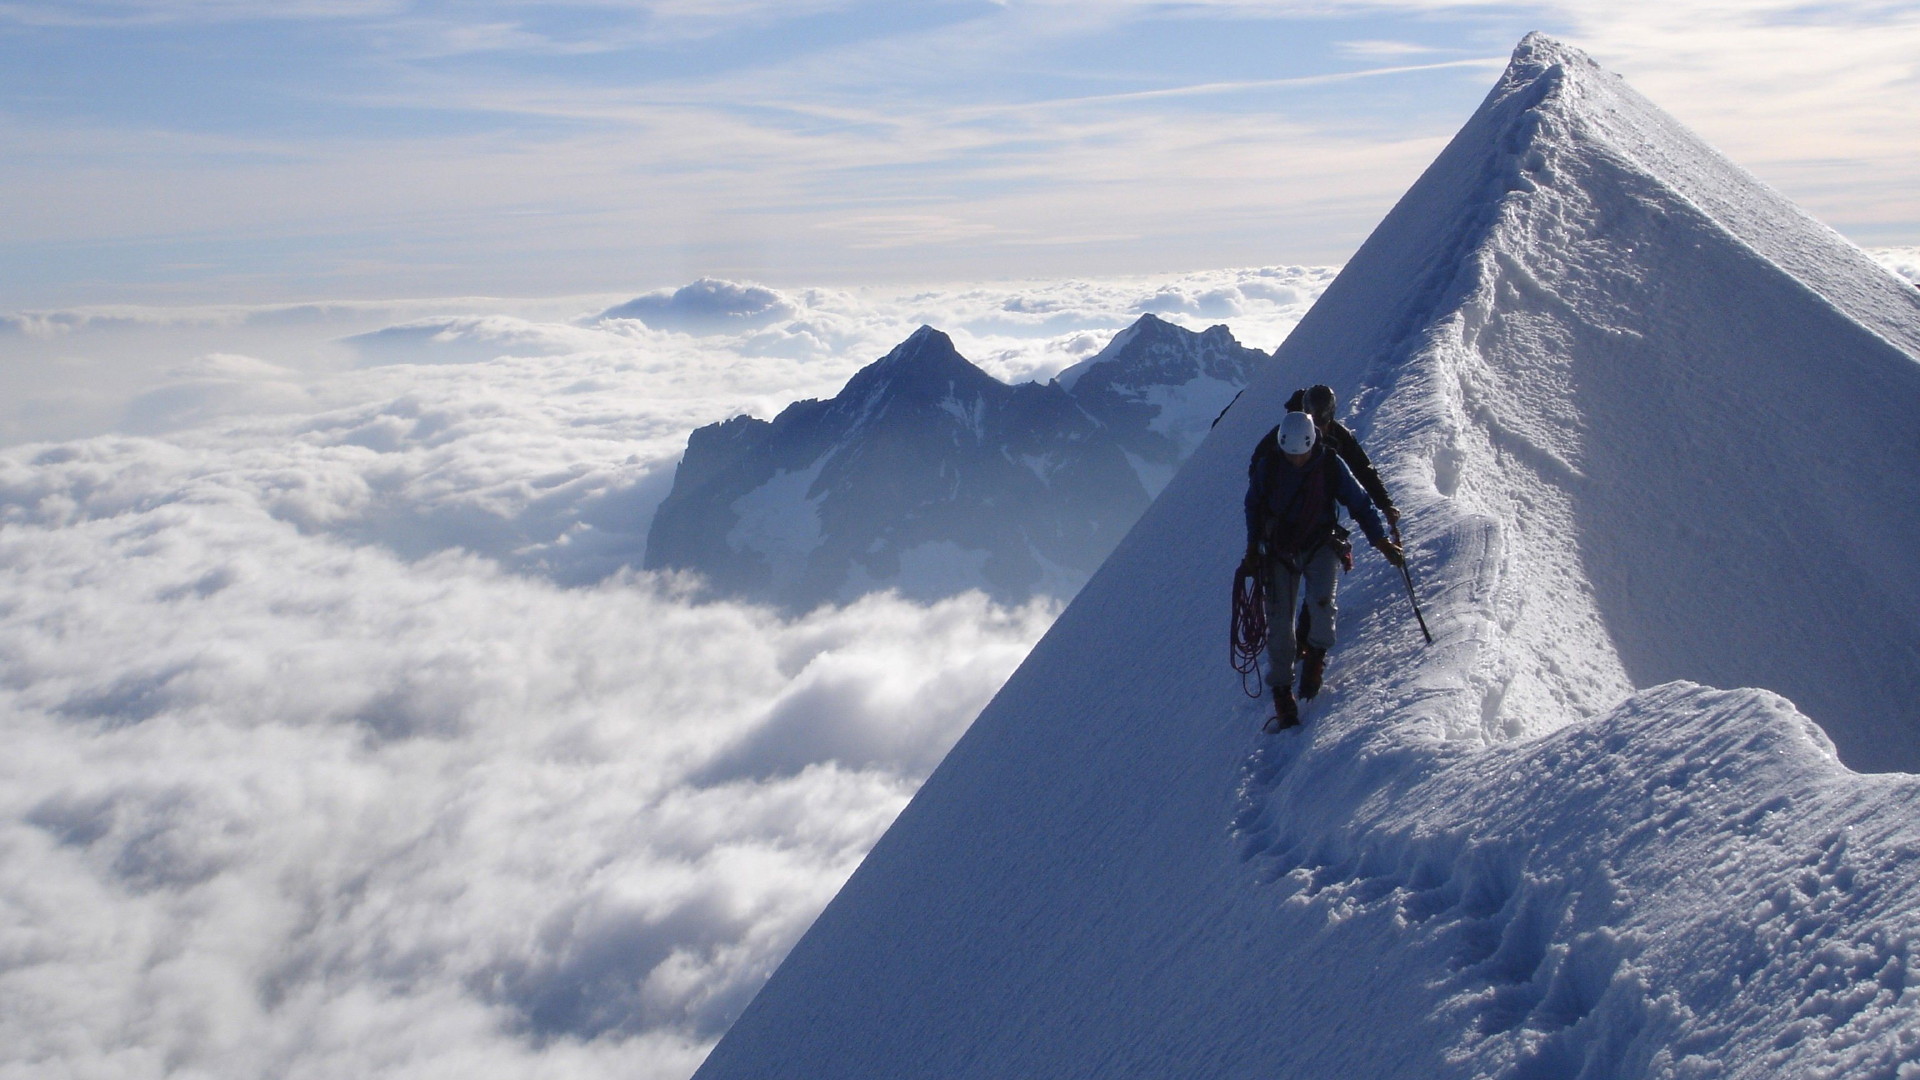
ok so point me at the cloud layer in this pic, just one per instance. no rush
(276, 805)
(279, 803)
(706, 306)
(345, 741)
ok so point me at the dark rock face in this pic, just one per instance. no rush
(927, 475)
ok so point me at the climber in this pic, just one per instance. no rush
(1317, 401)
(1294, 486)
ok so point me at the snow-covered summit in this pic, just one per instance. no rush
(1652, 429)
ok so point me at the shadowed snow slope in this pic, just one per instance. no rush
(1649, 423)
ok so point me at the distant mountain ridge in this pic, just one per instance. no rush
(928, 475)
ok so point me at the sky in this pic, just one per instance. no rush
(196, 151)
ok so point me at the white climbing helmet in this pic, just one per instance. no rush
(1297, 433)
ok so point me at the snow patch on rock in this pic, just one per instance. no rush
(780, 520)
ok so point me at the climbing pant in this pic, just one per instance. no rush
(1319, 575)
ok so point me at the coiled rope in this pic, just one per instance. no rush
(1249, 630)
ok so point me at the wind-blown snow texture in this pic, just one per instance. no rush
(1649, 422)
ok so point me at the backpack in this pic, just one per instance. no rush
(1291, 533)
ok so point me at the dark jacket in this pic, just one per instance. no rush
(1282, 510)
(1341, 441)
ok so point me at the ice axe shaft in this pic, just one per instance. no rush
(1407, 576)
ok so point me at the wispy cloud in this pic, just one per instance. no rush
(1385, 50)
(532, 148)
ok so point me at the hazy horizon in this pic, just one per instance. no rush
(198, 151)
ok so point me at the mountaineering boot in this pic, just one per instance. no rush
(1312, 672)
(1286, 712)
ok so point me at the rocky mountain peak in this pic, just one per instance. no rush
(926, 363)
(928, 475)
(1154, 351)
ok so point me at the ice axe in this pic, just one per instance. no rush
(1407, 576)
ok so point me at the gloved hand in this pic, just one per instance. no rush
(1393, 522)
(1391, 552)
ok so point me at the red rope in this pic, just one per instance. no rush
(1249, 628)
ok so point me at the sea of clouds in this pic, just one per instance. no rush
(344, 736)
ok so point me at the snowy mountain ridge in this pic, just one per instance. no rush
(1651, 427)
(927, 475)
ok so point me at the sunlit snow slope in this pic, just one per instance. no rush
(1649, 423)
